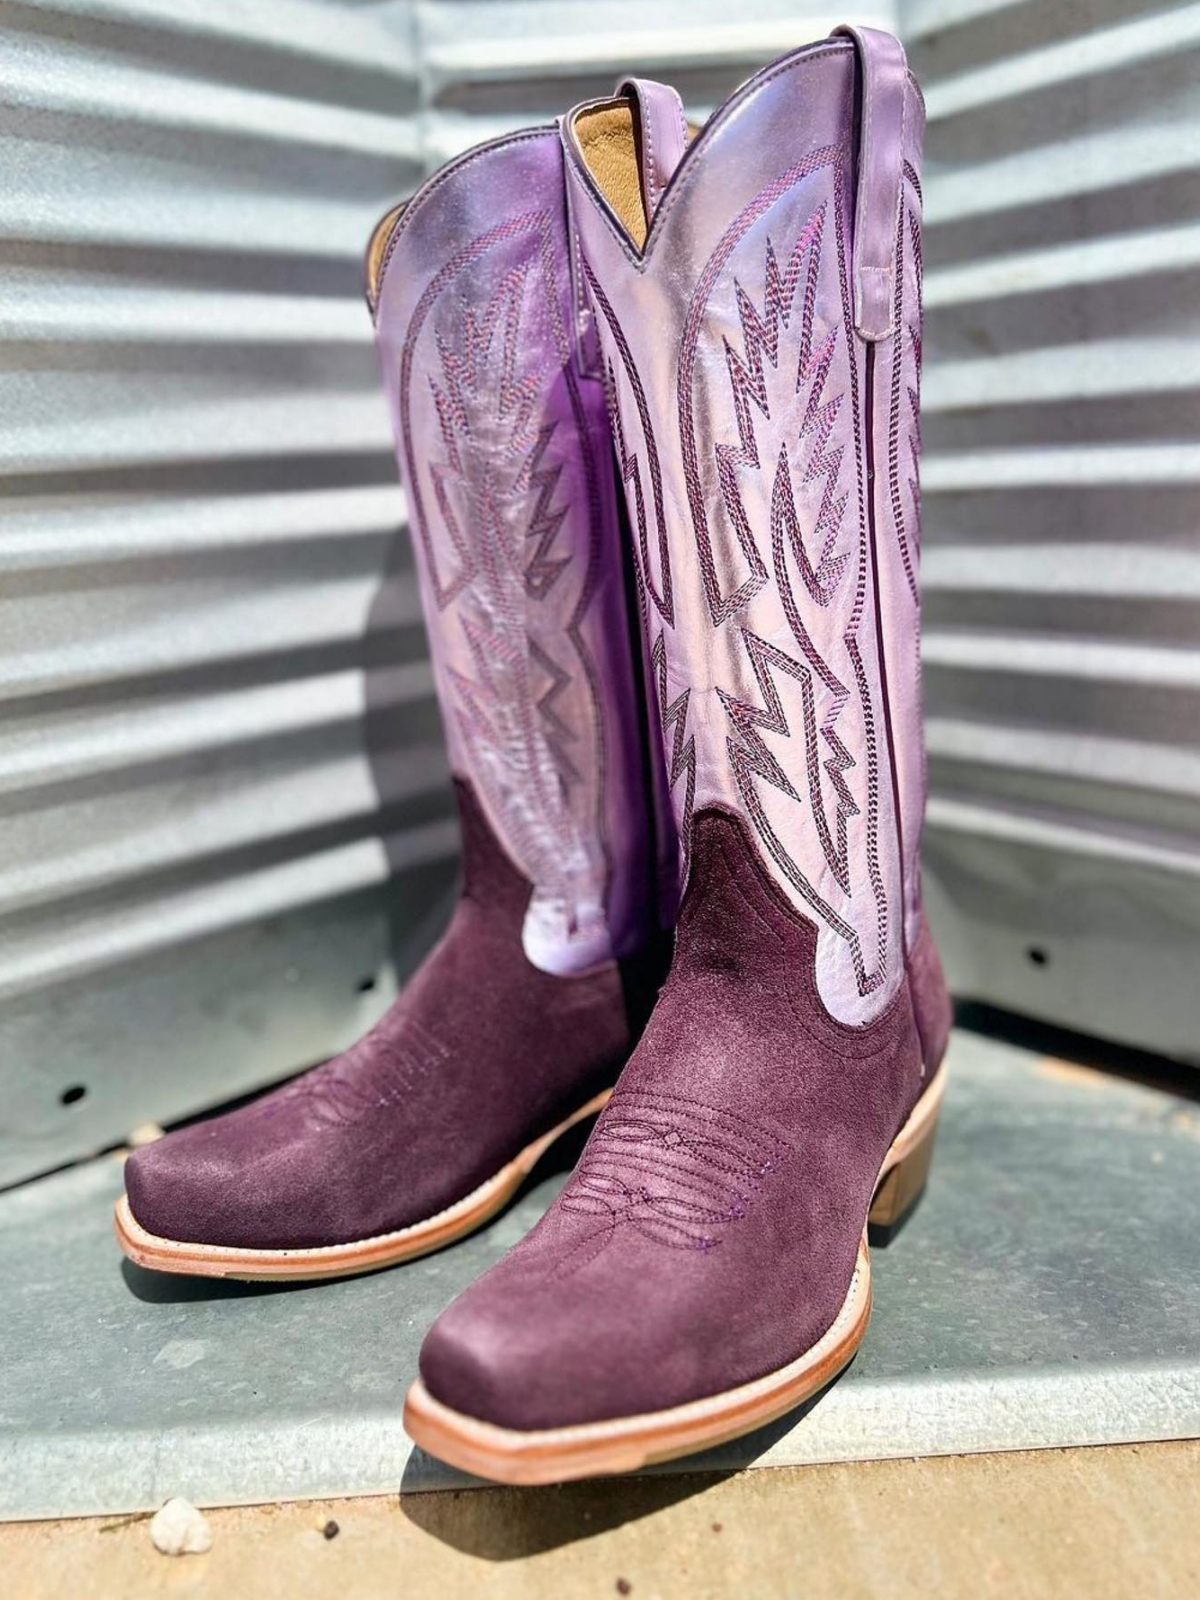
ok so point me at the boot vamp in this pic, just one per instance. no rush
(710, 1232)
(481, 1055)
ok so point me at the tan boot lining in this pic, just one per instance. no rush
(377, 249)
(608, 144)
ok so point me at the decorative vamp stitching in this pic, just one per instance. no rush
(375, 1074)
(671, 1169)
(511, 548)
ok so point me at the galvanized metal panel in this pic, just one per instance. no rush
(223, 821)
(1062, 553)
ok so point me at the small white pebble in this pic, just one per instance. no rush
(144, 1133)
(178, 1529)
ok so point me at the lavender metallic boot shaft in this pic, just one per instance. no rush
(780, 382)
(523, 1015)
(504, 452)
(706, 1267)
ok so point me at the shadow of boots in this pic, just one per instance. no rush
(499, 1523)
(504, 1524)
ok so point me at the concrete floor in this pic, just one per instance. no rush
(1115, 1523)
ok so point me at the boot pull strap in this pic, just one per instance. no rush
(884, 73)
(663, 135)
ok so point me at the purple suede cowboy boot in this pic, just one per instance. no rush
(521, 1018)
(706, 1267)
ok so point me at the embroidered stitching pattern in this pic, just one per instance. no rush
(494, 363)
(653, 175)
(897, 357)
(748, 381)
(360, 1082)
(749, 756)
(818, 455)
(662, 596)
(671, 1169)
(867, 982)
(846, 1039)
(679, 186)
(447, 591)
(914, 386)
(682, 746)
(447, 175)
(722, 604)
(913, 331)
(904, 449)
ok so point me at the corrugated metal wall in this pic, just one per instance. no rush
(217, 737)
(491, 65)
(203, 582)
(1062, 534)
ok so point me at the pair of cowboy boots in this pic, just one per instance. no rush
(656, 409)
